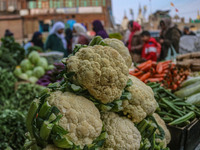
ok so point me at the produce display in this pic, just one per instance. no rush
(32, 68)
(52, 76)
(165, 72)
(173, 110)
(11, 53)
(190, 89)
(88, 108)
(189, 60)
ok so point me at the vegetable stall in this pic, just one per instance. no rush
(93, 100)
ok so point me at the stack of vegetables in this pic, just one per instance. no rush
(189, 60)
(173, 110)
(11, 53)
(32, 68)
(52, 76)
(97, 105)
(165, 72)
(190, 89)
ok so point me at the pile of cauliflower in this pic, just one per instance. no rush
(97, 105)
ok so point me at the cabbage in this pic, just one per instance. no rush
(34, 57)
(17, 71)
(43, 63)
(33, 79)
(38, 72)
(23, 76)
(26, 65)
(29, 73)
(50, 67)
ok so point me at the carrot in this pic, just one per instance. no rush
(137, 73)
(159, 67)
(167, 62)
(145, 76)
(174, 86)
(154, 64)
(136, 70)
(159, 75)
(165, 66)
(153, 70)
(147, 67)
(154, 79)
(144, 64)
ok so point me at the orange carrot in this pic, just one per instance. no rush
(159, 67)
(155, 79)
(159, 75)
(145, 76)
(144, 64)
(147, 67)
(137, 73)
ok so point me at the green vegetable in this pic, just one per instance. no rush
(43, 63)
(185, 92)
(33, 79)
(50, 67)
(38, 72)
(62, 142)
(12, 129)
(190, 81)
(183, 118)
(45, 130)
(29, 73)
(34, 57)
(17, 72)
(194, 99)
(23, 76)
(26, 65)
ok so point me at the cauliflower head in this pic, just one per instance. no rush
(80, 117)
(101, 70)
(121, 48)
(142, 102)
(122, 134)
(161, 123)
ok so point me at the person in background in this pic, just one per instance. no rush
(69, 37)
(35, 41)
(8, 33)
(186, 31)
(80, 35)
(170, 35)
(135, 42)
(99, 29)
(150, 47)
(56, 40)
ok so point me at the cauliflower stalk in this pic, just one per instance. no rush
(70, 121)
(121, 48)
(142, 102)
(122, 134)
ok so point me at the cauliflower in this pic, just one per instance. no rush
(122, 134)
(80, 117)
(101, 70)
(121, 48)
(142, 102)
(161, 123)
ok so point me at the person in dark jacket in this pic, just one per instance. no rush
(135, 41)
(69, 37)
(8, 33)
(169, 36)
(56, 40)
(186, 31)
(99, 29)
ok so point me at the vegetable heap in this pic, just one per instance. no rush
(190, 89)
(11, 53)
(96, 105)
(32, 68)
(165, 72)
(173, 110)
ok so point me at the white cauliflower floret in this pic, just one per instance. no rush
(80, 117)
(142, 102)
(101, 70)
(161, 123)
(122, 134)
(121, 48)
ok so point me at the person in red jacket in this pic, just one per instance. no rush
(150, 48)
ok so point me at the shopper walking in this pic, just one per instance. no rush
(99, 29)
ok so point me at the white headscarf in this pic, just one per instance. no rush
(57, 26)
(80, 29)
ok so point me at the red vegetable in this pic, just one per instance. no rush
(145, 76)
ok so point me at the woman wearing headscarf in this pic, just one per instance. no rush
(35, 41)
(135, 43)
(170, 35)
(99, 29)
(56, 40)
(80, 35)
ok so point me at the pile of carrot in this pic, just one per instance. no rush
(165, 72)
